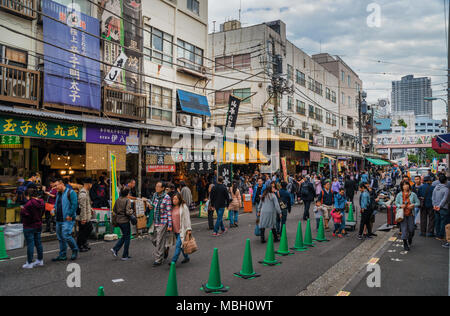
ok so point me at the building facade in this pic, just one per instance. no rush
(408, 95)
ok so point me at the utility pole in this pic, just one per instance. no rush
(360, 122)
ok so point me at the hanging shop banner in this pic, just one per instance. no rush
(115, 71)
(119, 19)
(111, 135)
(113, 168)
(26, 127)
(233, 111)
(301, 146)
(226, 172)
(70, 77)
(315, 156)
(161, 168)
(10, 142)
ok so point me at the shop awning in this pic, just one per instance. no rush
(193, 103)
(441, 144)
(238, 153)
(282, 137)
(378, 162)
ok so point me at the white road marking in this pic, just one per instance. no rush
(118, 280)
(396, 260)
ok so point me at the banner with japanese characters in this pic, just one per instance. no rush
(233, 111)
(27, 127)
(71, 57)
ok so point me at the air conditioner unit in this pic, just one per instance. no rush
(16, 88)
(184, 120)
(197, 122)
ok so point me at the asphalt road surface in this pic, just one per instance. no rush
(322, 270)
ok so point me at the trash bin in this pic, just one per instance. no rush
(248, 206)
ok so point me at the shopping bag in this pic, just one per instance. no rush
(399, 216)
(189, 244)
(447, 232)
(49, 207)
(257, 231)
(203, 212)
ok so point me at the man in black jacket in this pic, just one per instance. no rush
(308, 195)
(219, 200)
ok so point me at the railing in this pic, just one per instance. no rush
(19, 85)
(124, 104)
(21, 7)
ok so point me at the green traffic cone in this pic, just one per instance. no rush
(214, 284)
(299, 246)
(321, 232)
(107, 226)
(284, 248)
(308, 236)
(172, 287)
(101, 291)
(118, 232)
(3, 254)
(270, 260)
(247, 271)
(351, 214)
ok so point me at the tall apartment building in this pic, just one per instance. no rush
(246, 61)
(408, 95)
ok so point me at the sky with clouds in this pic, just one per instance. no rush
(411, 38)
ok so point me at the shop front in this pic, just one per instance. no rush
(50, 148)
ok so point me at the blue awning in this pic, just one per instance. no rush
(193, 103)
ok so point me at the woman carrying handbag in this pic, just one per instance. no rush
(181, 221)
(407, 201)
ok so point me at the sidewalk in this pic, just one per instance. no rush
(422, 271)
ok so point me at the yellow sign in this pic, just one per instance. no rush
(301, 146)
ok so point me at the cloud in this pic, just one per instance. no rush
(411, 39)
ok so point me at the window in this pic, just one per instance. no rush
(334, 120)
(160, 104)
(319, 115)
(349, 100)
(328, 93)
(358, 87)
(190, 56)
(342, 75)
(328, 118)
(342, 98)
(318, 88)
(310, 83)
(243, 94)
(290, 72)
(222, 97)
(14, 57)
(290, 104)
(300, 78)
(349, 80)
(331, 142)
(158, 46)
(228, 62)
(301, 108)
(350, 122)
(82, 5)
(311, 111)
(194, 6)
(333, 96)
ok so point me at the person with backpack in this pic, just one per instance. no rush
(84, 216)
(100, 194)
(66, 213)
(31, 215)
(285, 205)
(219, 200)
(307, 194)
(122, 213)
(24, 186)
(425, 195)
(326, 198)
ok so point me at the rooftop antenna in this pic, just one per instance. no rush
(240, 10)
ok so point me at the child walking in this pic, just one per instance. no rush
(337, 219)
(319, 210)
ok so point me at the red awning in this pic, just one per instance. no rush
(441, 144)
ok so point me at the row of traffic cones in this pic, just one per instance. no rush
(214, 284)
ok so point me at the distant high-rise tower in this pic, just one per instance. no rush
(408, 95)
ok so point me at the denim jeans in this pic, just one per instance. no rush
(317, 224)
(441, 220)
(219, 221)
(33, 239)
(64, 234)
(234, 217)
(281, 220)
(178, 249)
(292, 198)
(125, 240)
(306, 212)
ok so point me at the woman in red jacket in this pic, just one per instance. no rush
(31, 214)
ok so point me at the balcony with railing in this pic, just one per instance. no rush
(124, 104)
(22, 8)
(19, 85)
